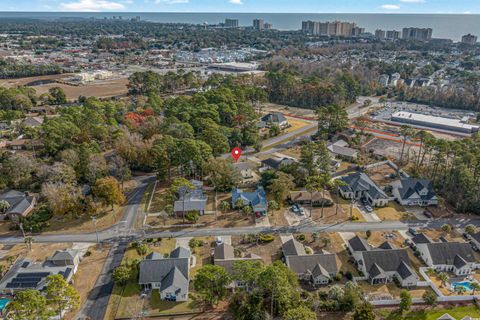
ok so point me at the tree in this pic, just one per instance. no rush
(470, 229)
(273, 205)
(58, 95)
(142, 249)
(475, 287)
(326, 241)
(4, 205)
(247, 271)
(247, 210)
(443, 278)
(62, 198)
(225, 206)
(121, 274)
(211, 283)
(28, 305)
(28, 242)
(300, 313)
(331, 119)
(405, 301)
(336, 184)
(430, 298)
(407, 132)
(60, 295)
(192, 216)
(364, 311)
(108, 190)
(460, 290)
(316, 184)
(221, 174)
(446, 228)
(280, 186)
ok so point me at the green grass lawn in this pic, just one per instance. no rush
(456, 312)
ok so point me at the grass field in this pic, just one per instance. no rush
(456, 312)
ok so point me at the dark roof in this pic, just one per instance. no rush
(476, 236)
(359, 244)
(342, 151)
(412, 187)
(387, 260)
(274, 117)
(404, 270)
(421, 238)
(276, 163)
(155, 270)
(359, 181)
(19, 202)
(191, 199)
(257, 199)
(445, 252)
(154, 256)
(459, 262)
(180, 252)
(376, 271)
(293, 248)
(174, 278)
(386, 245)
(308, 263)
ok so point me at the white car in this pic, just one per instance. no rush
(218, 240)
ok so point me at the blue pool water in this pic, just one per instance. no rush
(3, 303)
(465, 284)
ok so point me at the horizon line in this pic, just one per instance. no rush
(248, 12)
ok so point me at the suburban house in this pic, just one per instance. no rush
(191, 199)
(383, 264)
(475, 239)
(33, 122)
(224, 256)
(341, 150)
(317, 269)
(170, 275)
(414, 192)
(257, 200)
(316, 198)
(275, 118)
(276, 163)
(20, 204)
(455, 257)
(244, 169)
(25, 274)
(360, 186)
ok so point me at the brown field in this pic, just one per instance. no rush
(268, 251)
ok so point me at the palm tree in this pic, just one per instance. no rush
(314, 236)
(460, 290)
(406, 132)
(446, 228)
(317, 183)
(326, 241)
(4, 205)
(475, 287)
(224, 206)
(28, 241)
(443, 278)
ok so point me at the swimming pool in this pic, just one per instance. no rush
(3, 303)
(465, 284)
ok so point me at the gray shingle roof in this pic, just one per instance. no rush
(154, 256)
(174, 278)
(180, 252)
(155, 270)
(224, 252)
(274, 117)
(303, 263)
(404, 270)
(293, 248)
(342, 151)
(18, 201)
(445, 252)
(421, 238)
(411, 186)
(376, 271)
(388, 260)
(359, 244)
(359, 181)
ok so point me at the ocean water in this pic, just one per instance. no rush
(451, 26)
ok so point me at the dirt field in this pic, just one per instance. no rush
(295, 124)
(330, 214)
(268, 251)
(39, 252)
(380, 175)
(394, 211)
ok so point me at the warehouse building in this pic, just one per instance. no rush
(434, 122)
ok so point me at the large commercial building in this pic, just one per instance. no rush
(335, 28)
(420, 34)
(260, 24)
(435, 122)
(380, 34)
(392, 35)
(469, 39)
(231, 23)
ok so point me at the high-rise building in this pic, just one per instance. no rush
(231, 23)
(469, 39)
(267, 26)
(335, 28)
(356, 31)
(380, 34)
(392, 35)
(420, 34)
(258, 24)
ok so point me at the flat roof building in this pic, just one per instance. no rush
(434, 122)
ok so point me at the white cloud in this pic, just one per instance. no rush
(92, 5)
(235, 1)
(390, 7)
(412, 1)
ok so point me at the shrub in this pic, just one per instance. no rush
(301, 237)
(368, 233)
(88, 253)
(338, 277)
(349, 275)
(265, 238)
(193, 243)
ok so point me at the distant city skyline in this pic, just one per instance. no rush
(265, 6)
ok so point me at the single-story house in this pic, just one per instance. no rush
(191, 199)
(244, 169)
(316, 198)
(33, 122)
(20, 204)
(360, 186)
(25, 274)
(317, 269)
(276, 163)
(171, 276)
(224, 256)
(341, 150)
(383, 264)
(455, 257)
(275, 118)
(67, 257)
(414, 192)
(257, 200)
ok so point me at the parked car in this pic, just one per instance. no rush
(412, 231)
(218, 240)
(369, 209)
(295, 208)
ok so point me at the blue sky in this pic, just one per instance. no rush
(310, 6)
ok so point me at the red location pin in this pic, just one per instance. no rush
(236, 153)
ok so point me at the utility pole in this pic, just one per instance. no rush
(96, 231)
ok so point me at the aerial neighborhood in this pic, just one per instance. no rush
(154, 170)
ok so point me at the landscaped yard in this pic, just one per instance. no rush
(457, 312)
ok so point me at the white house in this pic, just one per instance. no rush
(360, 186)
(414, 192)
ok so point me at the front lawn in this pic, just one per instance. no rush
(157, 306)
(456, 312)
